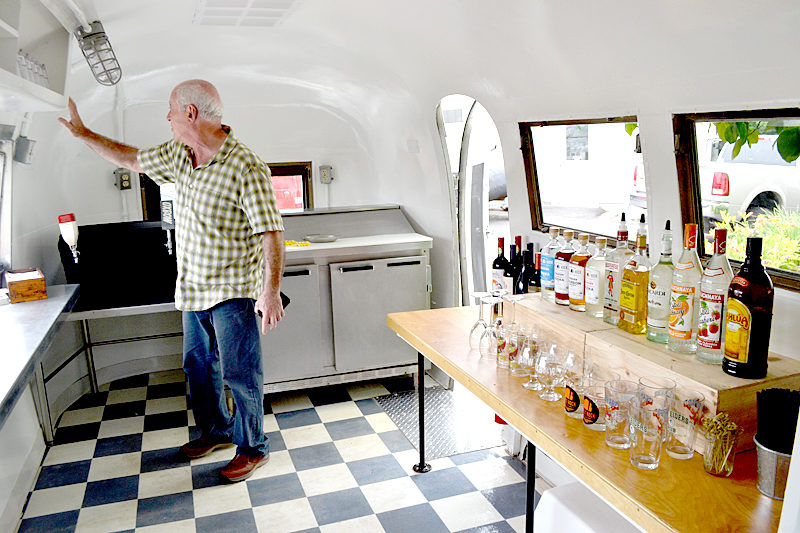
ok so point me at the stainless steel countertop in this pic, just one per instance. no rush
(26, 330)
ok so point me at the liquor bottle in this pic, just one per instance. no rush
(577, 274)
(521, 281)
(508, 273)
(516, 263)
(548, 265)
(595, 268)
(499, 266)
(561, 270)
(748, 319)
(534, 281)
(615, 262)
(684, 300)
(633, 290)
(642, 230)
(713, 291)
(659, 290)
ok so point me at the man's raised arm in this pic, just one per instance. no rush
(120, 154)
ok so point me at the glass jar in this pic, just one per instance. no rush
(719, 454)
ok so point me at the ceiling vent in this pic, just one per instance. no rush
(258, 13)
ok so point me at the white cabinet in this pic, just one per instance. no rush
(362, 294)
(28, 25)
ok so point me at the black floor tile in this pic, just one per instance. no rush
(398, 384)
(329, 395)
(369, 406)
(438, 484)
(163, 459)
(130, 382)
(296, 419)
(166, 390)
(163, 509)
(158, 421)
(52, 523)
(207, 475)
(509, 500)
(111, 490)
(276, 443)
(276, 489)
(63, 474)
(412, 520)
(77, 433)
(240, 521)
(124, 410)
(315, 456)
(339, 506)
(117, 445)
(92, 399)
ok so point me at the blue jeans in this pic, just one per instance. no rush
(222, 344)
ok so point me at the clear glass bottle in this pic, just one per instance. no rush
(615, 262)
(659, 290)
(595, 268)
(561, 270)
(685, 296)
(548, 260)
(713, 296)
(577, 274)
(633, 290)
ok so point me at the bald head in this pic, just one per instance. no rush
(201, 94)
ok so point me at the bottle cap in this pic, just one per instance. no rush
(69, 217)
(554, 231)
(569, 234)
(690, 236)
(600, 241)
(583, 238)
(720, 241)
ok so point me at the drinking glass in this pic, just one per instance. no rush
(573, 390)
(510, 311)
(649, 412)
(594, 399)
(527, 360)
(619, 395)
(684, 416)
(488, 341)
(515, 351)
(480, 325)
(504, 336)
(549, 369)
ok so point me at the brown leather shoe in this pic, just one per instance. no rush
(242, 467)
(202, 447)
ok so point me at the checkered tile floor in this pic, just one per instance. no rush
(338, 463)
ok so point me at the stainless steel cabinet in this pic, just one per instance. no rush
(362, 293)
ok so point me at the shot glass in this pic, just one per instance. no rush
(684, 416)
(594, 399)
(649, 412)
(619, 395)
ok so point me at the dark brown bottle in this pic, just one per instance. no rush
(748, 318)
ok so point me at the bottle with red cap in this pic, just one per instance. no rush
(69, 232)
(713, 296)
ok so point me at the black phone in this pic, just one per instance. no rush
(285, 300)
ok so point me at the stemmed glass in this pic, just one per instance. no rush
(513, 299)
(480, 323)
(490, 336)
(549, 369)
(527, 359)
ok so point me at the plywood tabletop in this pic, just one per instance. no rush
(677, 497)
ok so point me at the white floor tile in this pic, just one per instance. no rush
(363, 391)
(363, 524)
(338, 411)
(518, 523)
(117, 516)
(127, 395)
(122, 426)
(305, 436)
(291, 402)
(381, 422)
(68, 453)
(393, 494)
(279, 463)
(81, 416)
(103, 387)
(165, 405)
(55, 500)
(183, 526)
(362, 447)
(326, 479)
(408, 458)
(490, 473)
(162, 482)
(167, 376)
(222, 454)
(111, 466)
(190, 416)
(270, 423)
(283, 517)
(221, 499)
(466, 511)
(164, 438)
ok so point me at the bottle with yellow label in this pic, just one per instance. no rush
(633, 291)
(748, 319)
(685, 296)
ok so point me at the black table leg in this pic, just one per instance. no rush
(422, 466)
(530, 487)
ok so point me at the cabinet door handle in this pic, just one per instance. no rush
(356, 269)
(403, 263)
(294, 273)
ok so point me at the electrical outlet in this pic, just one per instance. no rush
(122, 179)
(325, 174)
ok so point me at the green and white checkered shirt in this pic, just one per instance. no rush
(221, 208)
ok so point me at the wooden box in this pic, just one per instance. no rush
(25, 285)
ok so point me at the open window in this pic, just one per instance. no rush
(583, 174)
(738, 170)
(292, 185)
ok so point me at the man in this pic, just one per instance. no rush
(225, 215)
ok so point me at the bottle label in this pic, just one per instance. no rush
(546, 273)
(497, 279)
(657, 297)
(627, 301)
(577, 275)
(590, 411)
(592, 286)
(609, 302)
(738, 280)
(571, 399)
(561, 275)
(709, 327)
(681, 312)
(738, 321)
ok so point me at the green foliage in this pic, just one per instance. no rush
(630, 127)
(780, 231)
(738, 133)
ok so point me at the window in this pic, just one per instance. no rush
(292, 185)
(568, 187)
(738, 170)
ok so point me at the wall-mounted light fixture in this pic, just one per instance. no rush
(97, 50)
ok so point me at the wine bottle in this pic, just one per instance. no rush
(534, 281)
(499, 266)
(508, 273)
(748, 320)
(521, 281)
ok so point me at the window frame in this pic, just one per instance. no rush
(687, 164)
(302, 168)
(529, 161)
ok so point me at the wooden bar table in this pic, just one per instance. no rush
(679, 496)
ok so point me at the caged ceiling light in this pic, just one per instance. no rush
(97, 50)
